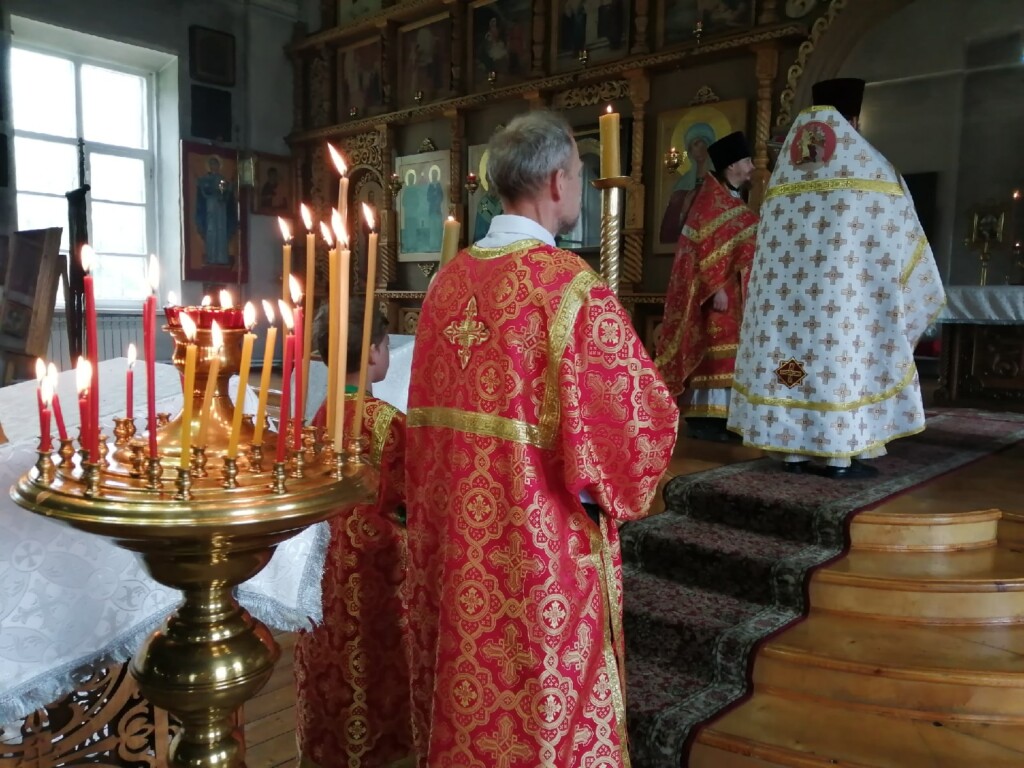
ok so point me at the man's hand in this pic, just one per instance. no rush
(720, 301)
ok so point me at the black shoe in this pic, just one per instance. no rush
(857, 470)
(794, 467)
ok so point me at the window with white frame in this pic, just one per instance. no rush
(59, 101)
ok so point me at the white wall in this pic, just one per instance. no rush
(946, 94)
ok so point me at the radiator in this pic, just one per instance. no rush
(114, 333)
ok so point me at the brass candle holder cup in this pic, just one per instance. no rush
(611, 226)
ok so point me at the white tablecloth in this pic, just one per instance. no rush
(69, 599)
(984, 305)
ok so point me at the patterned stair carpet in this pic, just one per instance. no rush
(729, 563)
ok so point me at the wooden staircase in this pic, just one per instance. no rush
(913, 652)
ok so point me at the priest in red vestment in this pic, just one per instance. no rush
(351, 673)
(529, 389)
(696, 350)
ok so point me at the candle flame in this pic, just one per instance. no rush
(307, 217)
(286, 315)
(286, 231)
(450, 217)
(188, 325)
(207, 301)
(132, 355)
(51, 374)
(368, 215)
(172, 299)
(339, 161)
(295, 289)
(268, 310)
(225, 299)
(339, 229)
(249, 316)
(88, 258)
(609, 110)
(218, 337)
(1016, 194)
(153, 273)
(83, 375)
(40, 370)
(46, 389)
(326, 232)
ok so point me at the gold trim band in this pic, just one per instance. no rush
(785, 402)
(728, 246)
(699, 235)
(922, 243)
(891, 188)
(504, 250)
(482, 424)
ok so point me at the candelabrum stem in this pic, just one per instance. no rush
(199, 461)
(611, 227)
(154, 473)
(256, 457)
(230, 473)
(138, 457)
(309, 443)
(355, 447)
(298, 464)
(124, 431)
(46, 468)
(184, 484)
(67, 450)
(91, 475)
(279, 474)
(337, 464)
(104, 448)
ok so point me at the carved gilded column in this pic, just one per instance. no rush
(769, 12)
(641, 23)
(766, 69)
(458, 139)
(540, 33)
(633, 259)
(387, 262)
(320, 97)
(389, 65)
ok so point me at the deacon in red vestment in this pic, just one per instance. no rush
(529, 388)
(351, 673)
(696, 350)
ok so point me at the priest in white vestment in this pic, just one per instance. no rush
(842, 287)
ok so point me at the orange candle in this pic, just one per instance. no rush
(332, 324)
(341, 350)
(368, 313)
(342, 166)
(206, 411)
(307, 329)
(608, 124)
(450, 240)
(249, 315)
(268, 367)
(189, 385)
(286, 265)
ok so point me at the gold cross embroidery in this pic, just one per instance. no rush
(467, 332)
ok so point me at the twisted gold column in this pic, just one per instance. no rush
(611, 227)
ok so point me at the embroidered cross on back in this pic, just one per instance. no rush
(467, 332)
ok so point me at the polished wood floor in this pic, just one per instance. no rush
(879, 651)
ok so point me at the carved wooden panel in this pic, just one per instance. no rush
(592, 93)
(982, 364)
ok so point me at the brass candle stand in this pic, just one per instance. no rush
(202, 533)
(611, 226)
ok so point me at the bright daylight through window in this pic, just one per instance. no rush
(59, 100)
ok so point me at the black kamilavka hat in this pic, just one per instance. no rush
(728, 150)
(844, 93)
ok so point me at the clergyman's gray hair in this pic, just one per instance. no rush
(524, 154)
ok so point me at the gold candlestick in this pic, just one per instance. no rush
(611, 227)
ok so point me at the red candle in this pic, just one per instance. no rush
(92, 351)
(46, 393)
(289, 353)
(40, 378)
(83, 377)
(149, 339)
(58, 414)
(298, 416)
(129, 383)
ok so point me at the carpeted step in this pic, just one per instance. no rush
(702, 554)
(677, 625)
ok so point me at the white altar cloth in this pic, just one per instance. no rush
(984, 305)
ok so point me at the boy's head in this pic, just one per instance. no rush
(380, 357)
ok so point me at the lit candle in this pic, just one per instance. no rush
(189, 385)
(172, 299)
(40, 378)
(149, 339)
(46, 395)
(342, 166)
(608, 124)
(83, 380)
(305, 332)
(286, 264)
(301, 361)
(206, 412)
(332, 322)
(206, 302)
(92, 351)
(268, 367)
(449, 240)
(58, 414)
(368, 316)
(225, 299)
(129, 383)
(249, 318)
(340, 352)
(289, 354)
